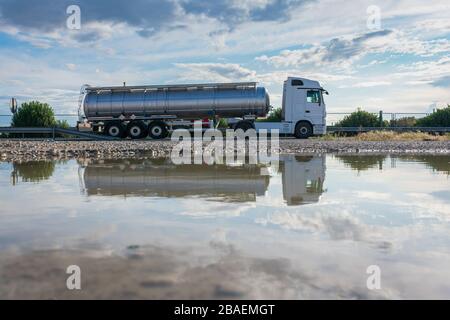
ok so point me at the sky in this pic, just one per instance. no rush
(378, 55)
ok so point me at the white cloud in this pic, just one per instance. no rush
(216, 72)
(367, 84)
(71, 66)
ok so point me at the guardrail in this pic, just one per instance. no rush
(333, 129)
(54, 132)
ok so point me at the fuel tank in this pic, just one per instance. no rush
(182, 101)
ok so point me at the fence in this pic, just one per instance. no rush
(332, 117)
(392, 117)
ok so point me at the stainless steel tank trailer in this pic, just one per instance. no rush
(156, 110)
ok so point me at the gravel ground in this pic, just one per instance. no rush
(34, 150)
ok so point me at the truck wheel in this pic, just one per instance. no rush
(243, 125)
(137, 130)
(115, 129)
(303, 130)
(157, 130)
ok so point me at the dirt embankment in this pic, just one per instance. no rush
(34, 150)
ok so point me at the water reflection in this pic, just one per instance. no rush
(161, 178)
(302, 179)
(362, 163)
(439, 163)
(308, 228)
(32, 171)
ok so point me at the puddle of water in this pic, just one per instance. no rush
(149, 229)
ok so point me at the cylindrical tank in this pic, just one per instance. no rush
(185, 104)
(160, 178)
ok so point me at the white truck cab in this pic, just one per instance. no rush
(303, 109)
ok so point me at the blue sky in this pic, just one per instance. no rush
(400, 65)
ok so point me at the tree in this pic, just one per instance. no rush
(34, 114)
(276, 115)
(33, 171)
(360, 118)
(439, 118)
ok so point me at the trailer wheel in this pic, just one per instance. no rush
(303, 130)
(157, 130)
(243, 125)
(115, 129)
(137, 130)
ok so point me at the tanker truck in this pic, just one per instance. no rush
(302, 179)
(156, 110)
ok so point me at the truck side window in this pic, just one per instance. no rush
(296, 83)
(313, 96)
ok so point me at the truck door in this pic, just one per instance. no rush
(315, 106)
(295, 100)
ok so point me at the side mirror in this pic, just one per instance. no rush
(326, 92)
(13, 105)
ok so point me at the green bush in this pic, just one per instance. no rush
(276, 115)
(223, 123)
(360, 118)
(404, 122)
(33, 171)
(62, 124)
(439, 118)
(34, 114)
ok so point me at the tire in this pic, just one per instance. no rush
(303, 130)
(137, 130)
(115, 129)
(243, 125)
(157, 130)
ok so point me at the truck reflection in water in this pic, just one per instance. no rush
(302, 179)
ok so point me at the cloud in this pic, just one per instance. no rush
(435, 72)
(337, 51)
(442, 82)
(344, 51)
(48, 15)
(71, 66)
(146, 17)
(367, 84)
(233, 13)
(215, 72)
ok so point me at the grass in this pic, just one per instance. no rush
(328, 137)
(396, 136)
(386, 136)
